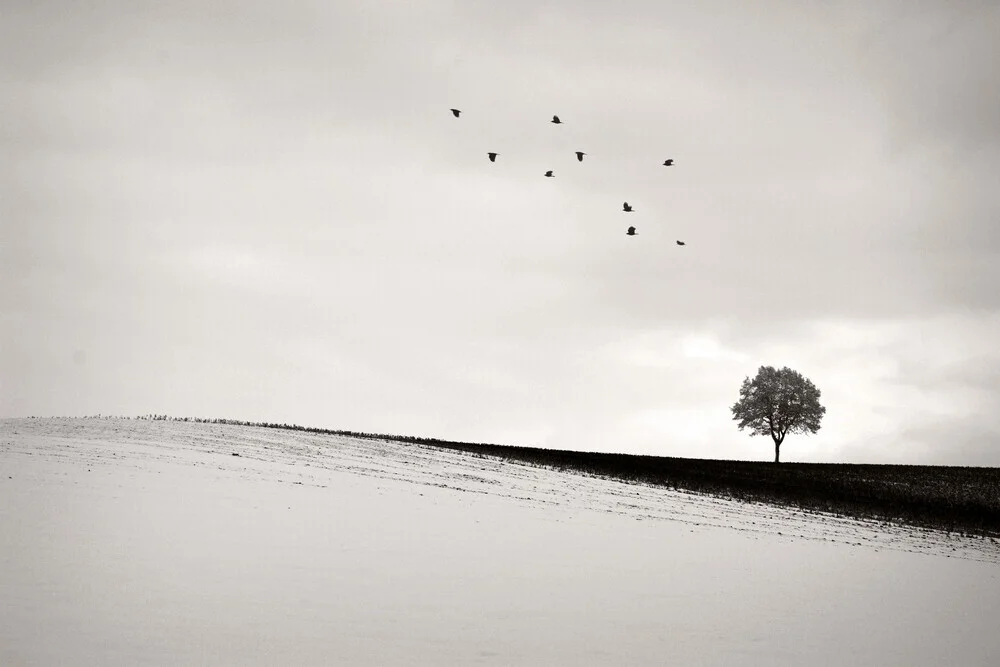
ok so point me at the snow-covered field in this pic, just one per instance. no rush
(149, 543)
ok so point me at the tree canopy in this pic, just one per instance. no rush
(778, 402)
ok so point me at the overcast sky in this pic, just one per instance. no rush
(266, 211)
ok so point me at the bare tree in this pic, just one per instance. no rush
(778, 402)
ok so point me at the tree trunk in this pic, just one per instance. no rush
(778, 435)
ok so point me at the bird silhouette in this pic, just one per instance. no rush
(492, 156)
(579, 155)
(668, 163)
(681, 243)
(630, 232)
(626, 207)
(549, 173)
(555, 119)
(455, 112)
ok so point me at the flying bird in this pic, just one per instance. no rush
(681, 243)
(455, 112)
(630, 232)
(555, 119)
(668, 163)
(492, 156)
(626, 207)
(549, 173)
(579, 155)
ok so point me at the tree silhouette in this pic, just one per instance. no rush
(777, 402)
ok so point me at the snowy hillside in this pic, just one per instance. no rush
(129, 542)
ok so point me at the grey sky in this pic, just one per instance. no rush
(266, 211)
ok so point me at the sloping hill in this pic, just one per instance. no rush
(161, 542)
(949, 498)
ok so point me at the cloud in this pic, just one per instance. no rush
(934, 72)
(270, 213)
(242, 267)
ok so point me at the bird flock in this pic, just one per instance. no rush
(626, 207)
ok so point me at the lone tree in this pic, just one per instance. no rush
(778, 402)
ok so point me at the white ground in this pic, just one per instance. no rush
(133, 543)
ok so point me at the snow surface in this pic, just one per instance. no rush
(126, 542)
